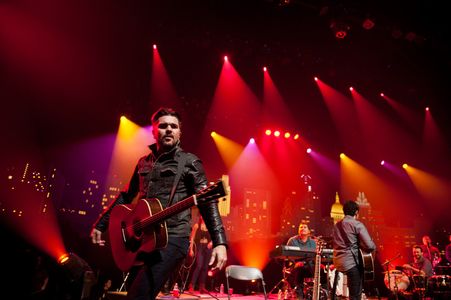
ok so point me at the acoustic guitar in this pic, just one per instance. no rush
(141, 228)
(367, 264)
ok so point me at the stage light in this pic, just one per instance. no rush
(63, 258)
(268, 132)
(342, 155)
(213, 134)
(351, 88)
(154, 46)
(340, 29)
(226, 58)
(264, 69)
(427, 108)
(123, 118)
(296, 136)
(382, 94)
(277, 133)
(316, 78)
(309, 150)
(368, 24)
(74, 266)
(405, 166)
(382, 162)
(287, 135)
(252, 141)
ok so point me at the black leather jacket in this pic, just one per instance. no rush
(154, 177)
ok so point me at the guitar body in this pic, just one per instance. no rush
(367, 264)
(140, 229)
(129, 239)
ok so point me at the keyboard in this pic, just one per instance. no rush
(295, 252)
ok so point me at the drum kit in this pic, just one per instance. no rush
(400, 283)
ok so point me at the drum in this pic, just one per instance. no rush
(396, 279)
(419, 283)
(439, 283)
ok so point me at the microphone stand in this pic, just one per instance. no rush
(386, 265)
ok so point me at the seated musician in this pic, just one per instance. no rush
(420, 265)
(302, 268)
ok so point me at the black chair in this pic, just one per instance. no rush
(244, 273)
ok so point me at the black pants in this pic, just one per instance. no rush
(148, 279)
(355, 283)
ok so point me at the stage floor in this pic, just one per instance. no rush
(196, 295)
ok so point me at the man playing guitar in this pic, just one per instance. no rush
(165, 181)
(349, 236)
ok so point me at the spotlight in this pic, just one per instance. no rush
(368, 24)
(268, 132)
(340, 29)
(74, 266)
(287, 135)
(296, 136)
(382, 162)
(265, 69)
(154, 46)
(277, 133)
(252, 141)
(309, 150)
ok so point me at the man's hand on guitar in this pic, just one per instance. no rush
(96, 237)
(219, 255)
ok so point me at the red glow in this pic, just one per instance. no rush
(154, 46)
(309, 150)
(316, 78)
(287, 135)
(252, 141)
(427, 108)
(277, 133)
(265, 69)
(382, 95)
(296, 136)
(382, 162)
(351, 88)
(162, 91)
(226, 58)
(268, 132)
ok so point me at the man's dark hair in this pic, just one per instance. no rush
(417, 247)
(165, 111)
(350, 208)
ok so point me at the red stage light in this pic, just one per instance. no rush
(316, 78)
(287, 135)
(296, 136)
(264, 69)
(268, 132)
(382, 162)
(226, 58)
(351, 88)
(154, 46)
(277, 133)
(252, 141)
(309, 150)
(427, 108)
(382, 95)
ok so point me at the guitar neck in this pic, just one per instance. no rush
(169, 212)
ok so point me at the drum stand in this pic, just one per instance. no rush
(283, 285)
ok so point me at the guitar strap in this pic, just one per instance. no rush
(180, 166)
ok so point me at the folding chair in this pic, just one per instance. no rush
(244, 273)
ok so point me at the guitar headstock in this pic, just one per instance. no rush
(320, 244)
(214, 191)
